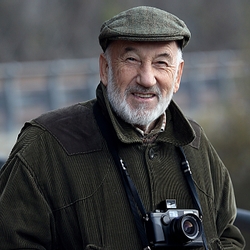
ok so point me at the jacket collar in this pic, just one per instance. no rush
(178, 129)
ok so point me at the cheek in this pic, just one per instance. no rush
(123, 78)
(166, 79)
(166, 87)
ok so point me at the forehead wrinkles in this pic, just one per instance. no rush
(150, 51)
(168, 51)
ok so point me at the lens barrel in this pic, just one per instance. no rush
(186, 227)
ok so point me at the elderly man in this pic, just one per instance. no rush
(109, 173)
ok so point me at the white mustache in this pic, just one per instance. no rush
(142, 90)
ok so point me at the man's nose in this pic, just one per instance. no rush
(146, 75)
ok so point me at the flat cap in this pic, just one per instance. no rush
(144, 23)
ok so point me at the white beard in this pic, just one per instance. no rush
(141, 115)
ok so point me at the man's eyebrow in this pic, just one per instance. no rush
(129, 49)
(164, 54)
(168, 55)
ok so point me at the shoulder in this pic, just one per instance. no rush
(73, 127)
(65, 115)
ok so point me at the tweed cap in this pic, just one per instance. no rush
(144, 23)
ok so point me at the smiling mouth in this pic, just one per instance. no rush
(141, 95)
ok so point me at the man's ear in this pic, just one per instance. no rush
(103, 68)
(178, 77)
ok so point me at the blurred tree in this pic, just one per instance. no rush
(45, 30)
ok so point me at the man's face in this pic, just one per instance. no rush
(141, 78)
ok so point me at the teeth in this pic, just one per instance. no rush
(143, 95)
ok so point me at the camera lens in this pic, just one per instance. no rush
(186, 227)
(190, 227)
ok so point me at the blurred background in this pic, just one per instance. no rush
(49, 59)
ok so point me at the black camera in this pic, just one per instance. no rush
(174, 228)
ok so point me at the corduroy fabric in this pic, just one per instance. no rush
(57, 196)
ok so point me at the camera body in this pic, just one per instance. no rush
(180, 228)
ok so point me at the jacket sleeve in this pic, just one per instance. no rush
(26, 221)
(230, 237)
(225, 205)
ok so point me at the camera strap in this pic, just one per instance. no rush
(188, 175)
(131, 191)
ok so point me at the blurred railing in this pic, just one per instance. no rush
(243, 223)
(30, 88)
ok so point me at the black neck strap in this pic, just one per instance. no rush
(132, 194)
(188, 175)
(131, 191)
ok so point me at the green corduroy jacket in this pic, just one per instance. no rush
(60, 188)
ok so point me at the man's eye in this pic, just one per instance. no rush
(162, 64)
(131, 59)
